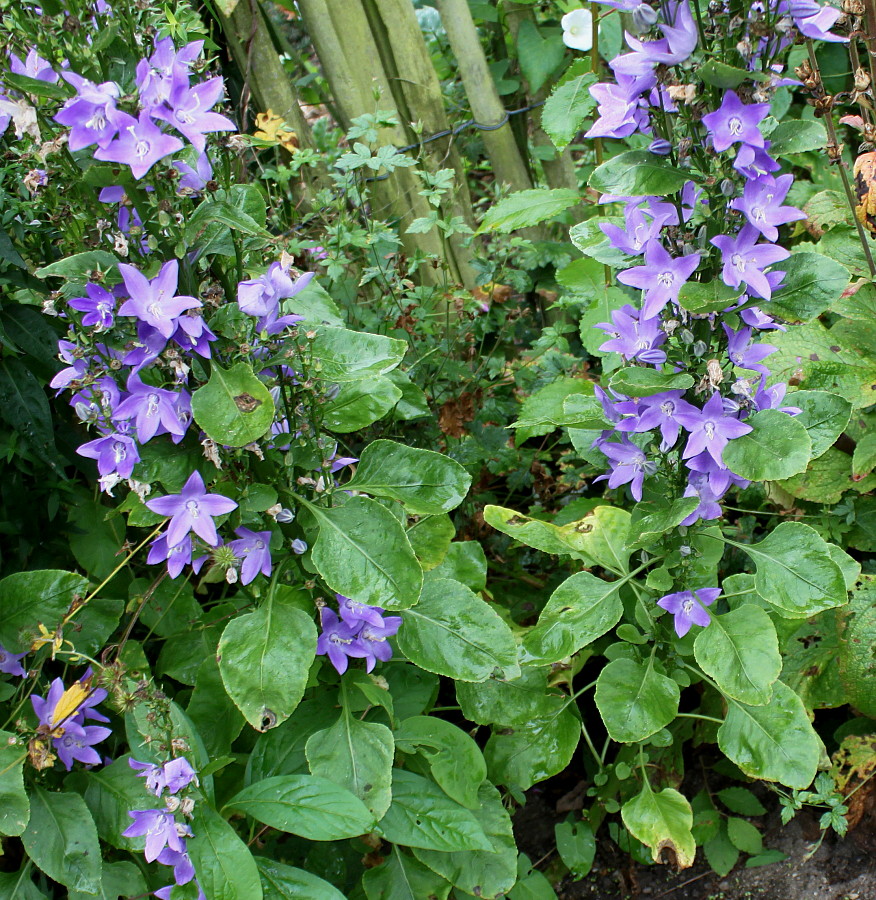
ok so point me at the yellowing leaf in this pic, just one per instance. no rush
(273, 129)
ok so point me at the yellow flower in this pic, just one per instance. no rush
(274, 130)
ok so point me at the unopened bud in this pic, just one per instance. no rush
(699, 348)
(686, 336)
(728, 189)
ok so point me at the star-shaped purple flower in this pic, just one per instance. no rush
(188, 111)
(338, 641)
(659, 410)
(115, 453)
(10, 663)
(99, 307)
(89, 113)
(140, 143)
(76, 743)
(192, 510)
(742, 353)
(634, 336)
(735, 122)
(172, 776)
(744, 260)
(761, 202)
(629, 465)
(154, 410)
(661, 278)
(689, 608)
(155, 301)
(710, 429)
(815, 21)
(254, 548)
(160, 829)
(34, 66)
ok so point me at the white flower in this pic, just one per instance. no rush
(578, 29)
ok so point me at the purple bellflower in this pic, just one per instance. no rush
(177, 557)
(698, 486)
(374, 640)
(735, 122)
(193, 180)
(192, 510)
(356, 614)
(89, 113)
(10, 663)
(689, 608)
(188, 111)
(744, 354)
(761, 203)
(158, 75)
(634, 336)
(140, 143)
(752, 162)
(253, 547)
(639, 231)
(34, 66)
(629, 465)
(338, 641)
(814, 21)
(659, 410)
(99, 307)
(622, 110)
(710, 429)
(172, 776)
(661, 278)
(154, 410)
(160, 829)
(115, 454)
(744, 260)
(183, 870)
(155, 301)
(679, 41)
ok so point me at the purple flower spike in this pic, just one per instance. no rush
(155, 301)
(761, 202)
(160, 829)
(140, 143)
(338, 641)
(253, 547)
(661, 277)
(192, 510)
(10, 663)
(689, 608)
(744, 260)
(710, 430)
(734, 122)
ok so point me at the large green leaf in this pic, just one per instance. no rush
(119, 879)
(642, 381)
(855, 657)
(651, 521)
(311, 807)
(360, 403)
(213, 712)
(62, 841)
(812, 284)
(223, 864)
(592, 241)
(356, 755)
(637, 173)
(426, 482)
(363, 552)
(422, 815)
(452, 632)
(481, 873)
(28, 599)
(775, 742)
(777, 447)
(431, 537)
(634, 700)
(823, 415)
(797, 136)
(14, 805)
(740, 651)
(538, 53)
(282, 882)
(346, 355)
(79, 267)
(533, 751)
(454, 759)
(599, 539)
(523, 209)
(566, 108)
(580, 610)
(796, 572)
(543, 410)
(264, 659)
(510, 702)
(402, 877)
(704, 297)
(233, 408)
(662, 821)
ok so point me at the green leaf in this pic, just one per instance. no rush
(576, 846)
(634, 700)
(662, 821)
(795, 571)
(25, 408)
(598, 539)
(58, 90)
(720, 853)
(452, 632)
(651, 521)
(120, 879)
(315, 303)
(28, 599)
(426, 482)
(356, 755)
(360, 403)
(538, 55)
(566, 108)
(430, 537)
(212, 711)
(592, 241)
(777, 448)
(533, 751)
(797, 136)
(481, 873)
(523, 209)
(282, 882)
(740, 800)
(812, 284)
(704, 297)
(637, 173)
(223, 864)
(402, 877)
(454, 759)
(720, 75)
(363, 552)
(641, 381)
(311, 807)
(466, 563)
(14, 805)
(221, 211)
(579, 611)
(856, 661)
(78, 268)
(233, 408)
(531, 884)
(346, 356)
(544, 410)
(774, 742)
(823, 415)
(739, 650)
(510, 702)
(264, 659)
(864, 457)
(422, 815)
(744, 836)
(62, 841)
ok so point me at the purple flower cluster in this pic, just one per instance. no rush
(165, 835)
(62, 717)
(361, 632)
